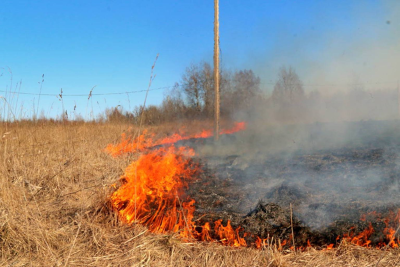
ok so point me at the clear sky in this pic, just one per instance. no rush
(112, 44)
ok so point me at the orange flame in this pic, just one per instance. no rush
(145, 140)
(239, 126)
(362, 239)
(152, 189)
(228, 236)
(127, 145)
(152, 194)
(205, 233)
(390, 232)
(261, 243)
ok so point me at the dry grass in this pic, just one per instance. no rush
(54, 184)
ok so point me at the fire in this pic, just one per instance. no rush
(146, 140)
(229, 236)
(261, 243)
(239, 126)
(390, 232)
(153, 194)
(363, 239)
(205, 233)
(153, 189)
(329, 247)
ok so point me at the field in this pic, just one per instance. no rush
(55, 184)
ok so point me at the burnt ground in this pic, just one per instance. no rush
(330, 188)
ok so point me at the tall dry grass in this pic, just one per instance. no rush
(55, 180)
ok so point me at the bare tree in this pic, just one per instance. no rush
(192, 87)
(207, 84)
(198, 86)
(173, 106)
(288, 88)
(246, 87)
(288, 98)
(239, 90)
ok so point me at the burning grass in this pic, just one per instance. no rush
(153, 184)
(152, 191)
(54, 210)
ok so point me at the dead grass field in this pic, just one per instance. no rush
(55, 180)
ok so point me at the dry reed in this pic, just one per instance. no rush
(55, 181)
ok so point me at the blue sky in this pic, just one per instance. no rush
(111, 44)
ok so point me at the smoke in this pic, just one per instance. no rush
(356, 45)
(328, 171)
(335, 152)
(370, 57)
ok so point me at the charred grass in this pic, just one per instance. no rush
(55, 181)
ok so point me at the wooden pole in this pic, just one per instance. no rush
(216, 69)
(398, 101)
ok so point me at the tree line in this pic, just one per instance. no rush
(193, 96)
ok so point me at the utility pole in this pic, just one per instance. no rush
(216, 69)
(398, 100)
